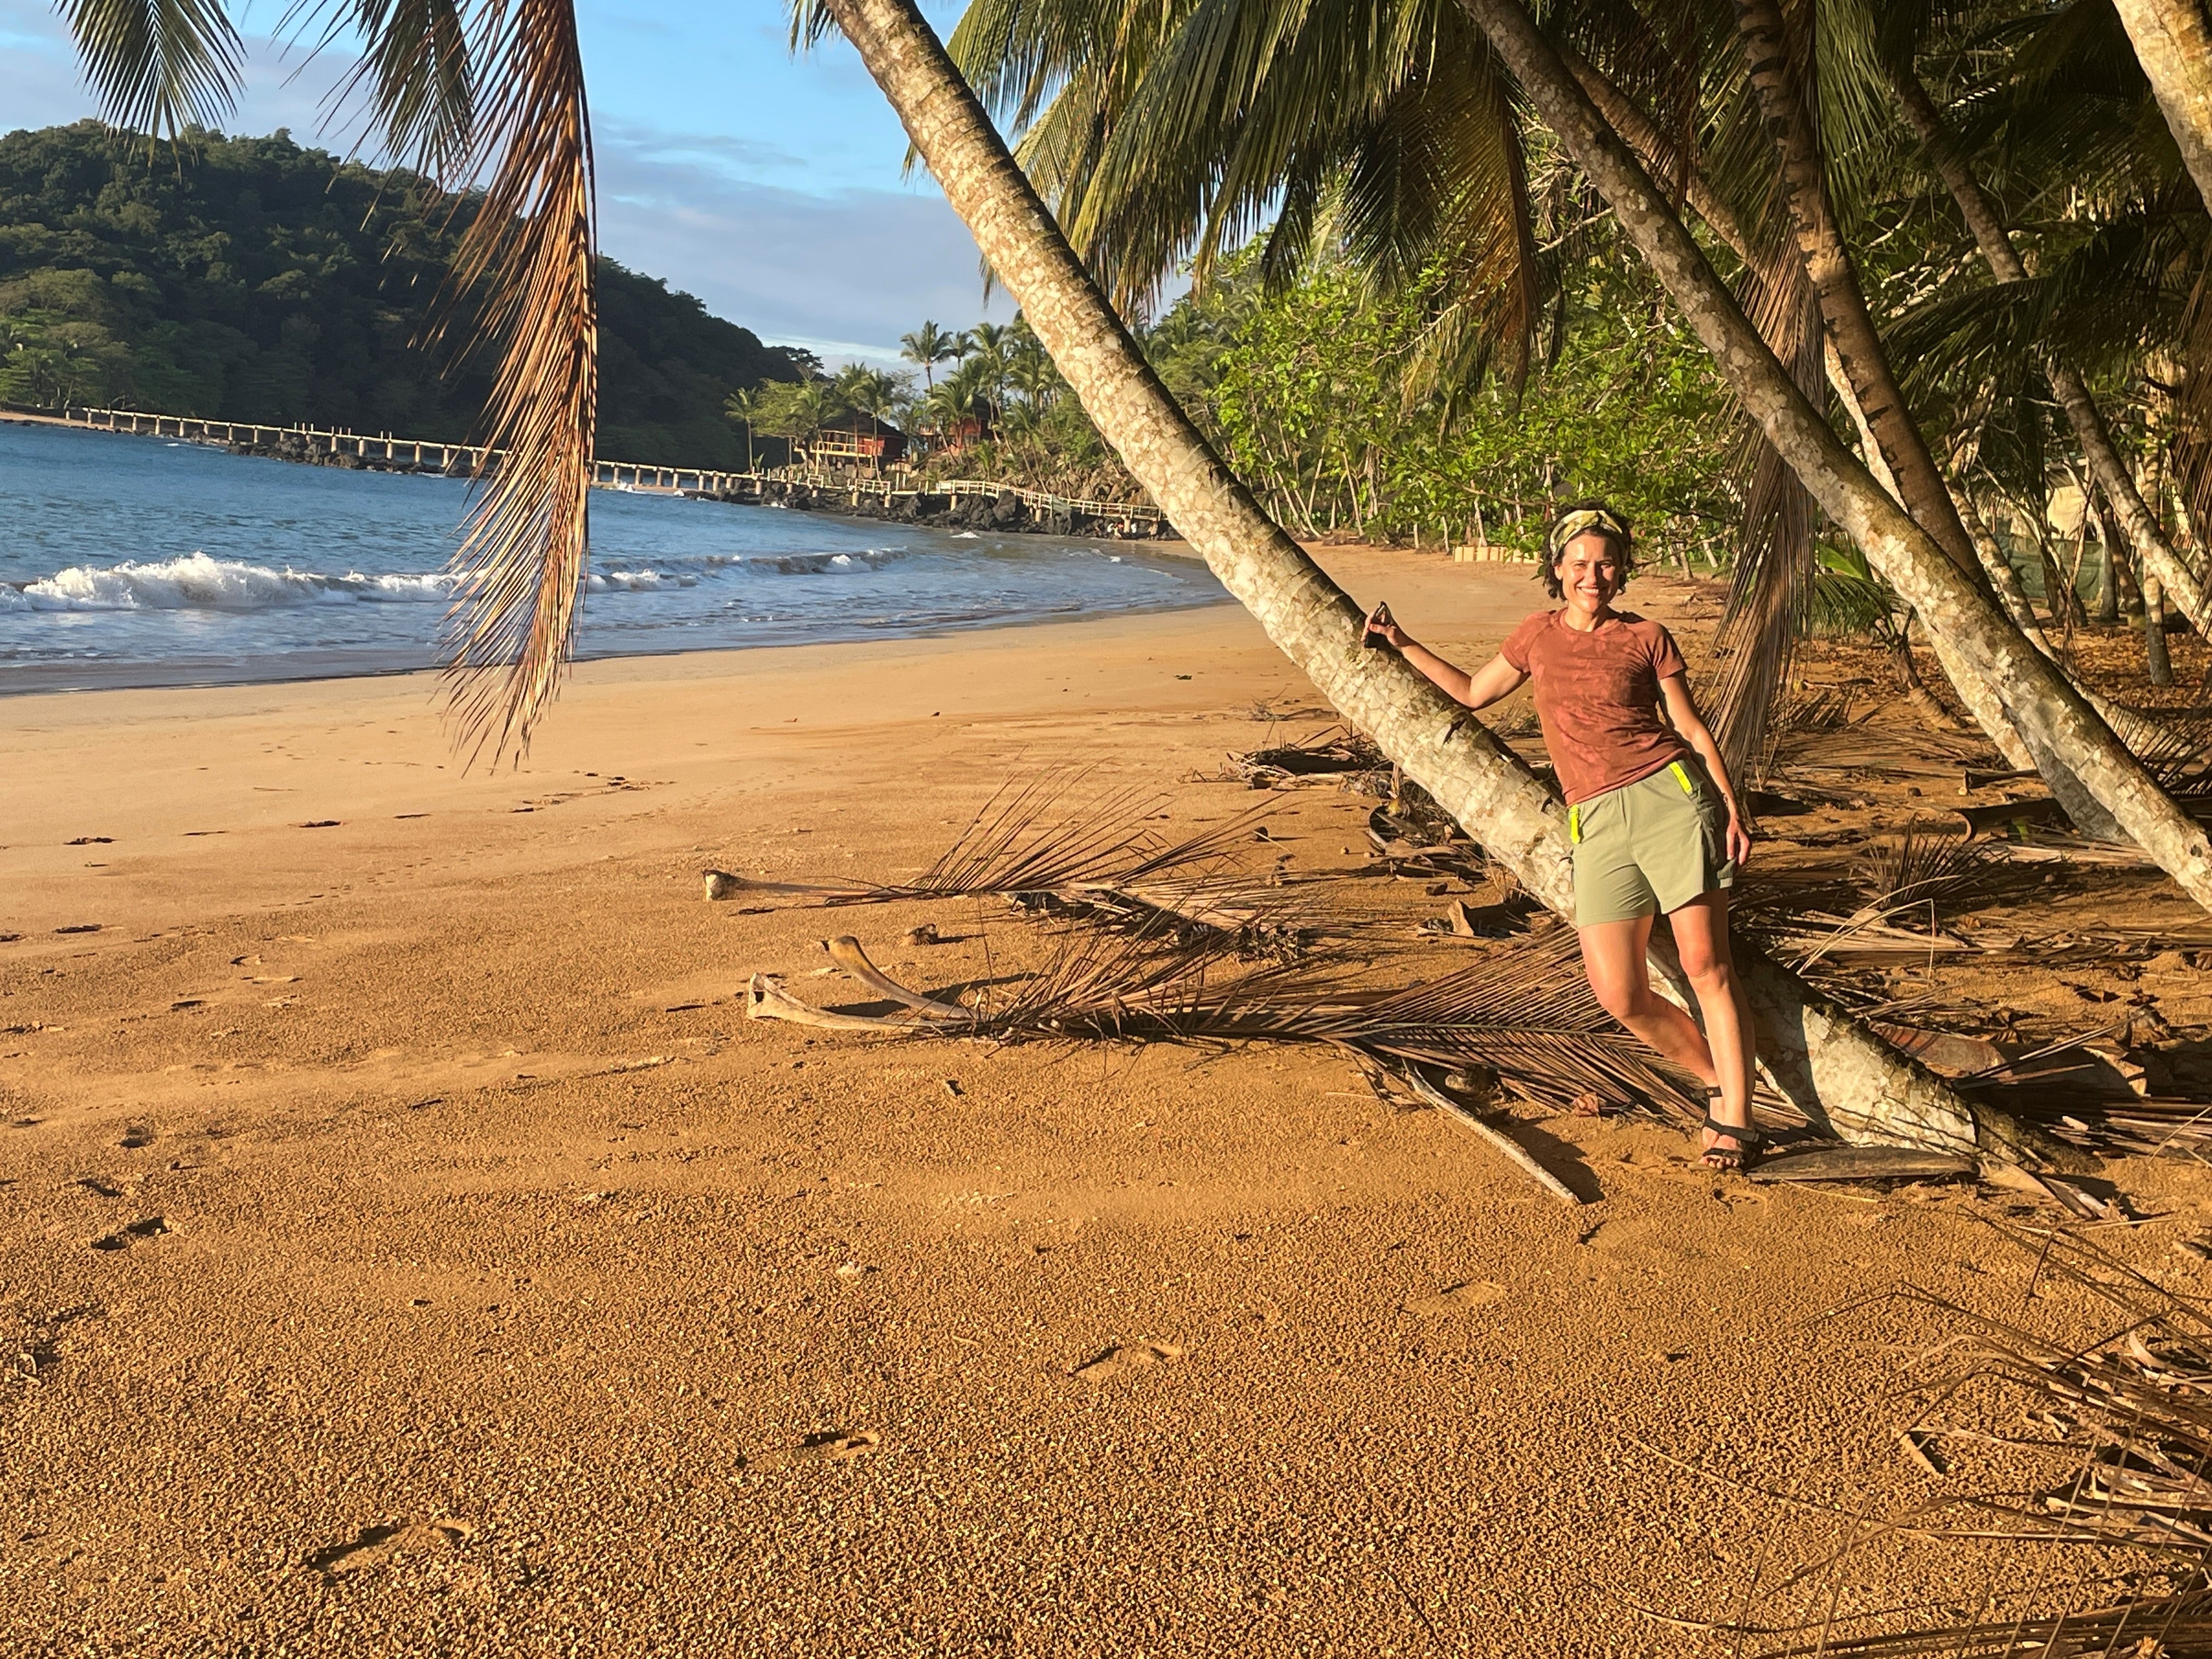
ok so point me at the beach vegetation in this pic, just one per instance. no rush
(254, 279)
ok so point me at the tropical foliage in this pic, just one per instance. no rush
(251, 279)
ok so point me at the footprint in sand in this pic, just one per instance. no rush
(1124, 1357)
(372, 1547)
(152, 1227)
(830, 1446)
(1459, 1298)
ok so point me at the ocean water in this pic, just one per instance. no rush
(136, 561)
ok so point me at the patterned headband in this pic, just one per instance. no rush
(1571, 524)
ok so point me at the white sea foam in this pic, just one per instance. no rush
(200, 583)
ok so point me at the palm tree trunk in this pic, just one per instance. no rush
(1768, 56)
(2173, 43)
(1633, 124)
(1827, 1063)
(2003, 578)
(2074, 750)
(2137, 522)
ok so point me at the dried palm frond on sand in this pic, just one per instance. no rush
(2123, 1464)
(1042, 835)
(1526, 1016)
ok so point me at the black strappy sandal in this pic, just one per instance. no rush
(1726, 1159)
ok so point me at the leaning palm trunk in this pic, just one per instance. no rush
(1802, 175)
(1829, 1065)
(1633, 124)
(1874, 397)
(2074, 749)
(2173, 43)
(2138, 522)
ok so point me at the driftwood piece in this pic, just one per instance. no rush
(725, 884)
(845, 951)
(1467, 1118)
(766, 999)
(1862, 1163)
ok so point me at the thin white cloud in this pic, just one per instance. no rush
(843, 274)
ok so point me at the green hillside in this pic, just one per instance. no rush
(249, 279)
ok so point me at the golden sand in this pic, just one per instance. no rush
(407, 1247)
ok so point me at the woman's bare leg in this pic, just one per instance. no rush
(1613, 957)
(1701, 940)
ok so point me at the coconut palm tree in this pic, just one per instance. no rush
(990, 346)
(1824, 1059)
(744, 406)
(2173, 40)
(2112, 475)
(2075, 750)
(1170, 134)
(928, 346)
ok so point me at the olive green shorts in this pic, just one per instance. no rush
(1653, 845)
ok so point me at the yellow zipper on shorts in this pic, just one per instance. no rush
(1683, 778)
(1575, 825)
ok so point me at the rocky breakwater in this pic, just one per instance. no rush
(1007, 513)
(314, 449)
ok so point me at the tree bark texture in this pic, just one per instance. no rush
(2173, 43)
(1804, 180)
(1633, 124)
(2074, 750)
(1826, 1063)
(2137, 522)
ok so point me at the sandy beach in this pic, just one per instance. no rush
(407, 1245)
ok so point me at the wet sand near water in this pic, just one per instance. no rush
(407, 1246)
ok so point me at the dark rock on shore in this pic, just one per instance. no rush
(305, 450)
(1006, 514)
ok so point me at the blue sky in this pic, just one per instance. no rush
(770, 187)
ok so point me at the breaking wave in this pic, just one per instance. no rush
(199, 582)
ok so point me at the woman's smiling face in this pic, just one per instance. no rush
(1590, 572)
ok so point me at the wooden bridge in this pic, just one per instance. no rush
(428, 455)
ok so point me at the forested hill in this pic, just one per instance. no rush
(250, 279)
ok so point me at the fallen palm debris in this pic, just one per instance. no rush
(1526, 1019)
(1168, 935)
(2113, 1454)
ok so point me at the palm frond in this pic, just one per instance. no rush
(1167, 136)
(415, 83)
(1774, 567)
(158, 65)
(2123, 1461)
(1042, 842)
(1526, 1015)
(529, 252)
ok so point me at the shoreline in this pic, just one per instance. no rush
(1004, 514)
(149, 677)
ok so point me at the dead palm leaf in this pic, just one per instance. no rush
(415, 76)
(1526, 1015)
(2127, 1419)
(527, 258)
(1040, 839)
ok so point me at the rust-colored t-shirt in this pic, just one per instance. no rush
(1597, 695)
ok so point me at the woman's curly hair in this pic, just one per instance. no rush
(1578, 518)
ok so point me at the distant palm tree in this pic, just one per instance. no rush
(744, 406)
(929, 345)
(1034, 376)
(992, 344)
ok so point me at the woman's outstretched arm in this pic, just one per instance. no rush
(1682, 714)
(1495, 679)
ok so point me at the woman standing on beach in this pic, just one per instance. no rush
(1653, 817)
